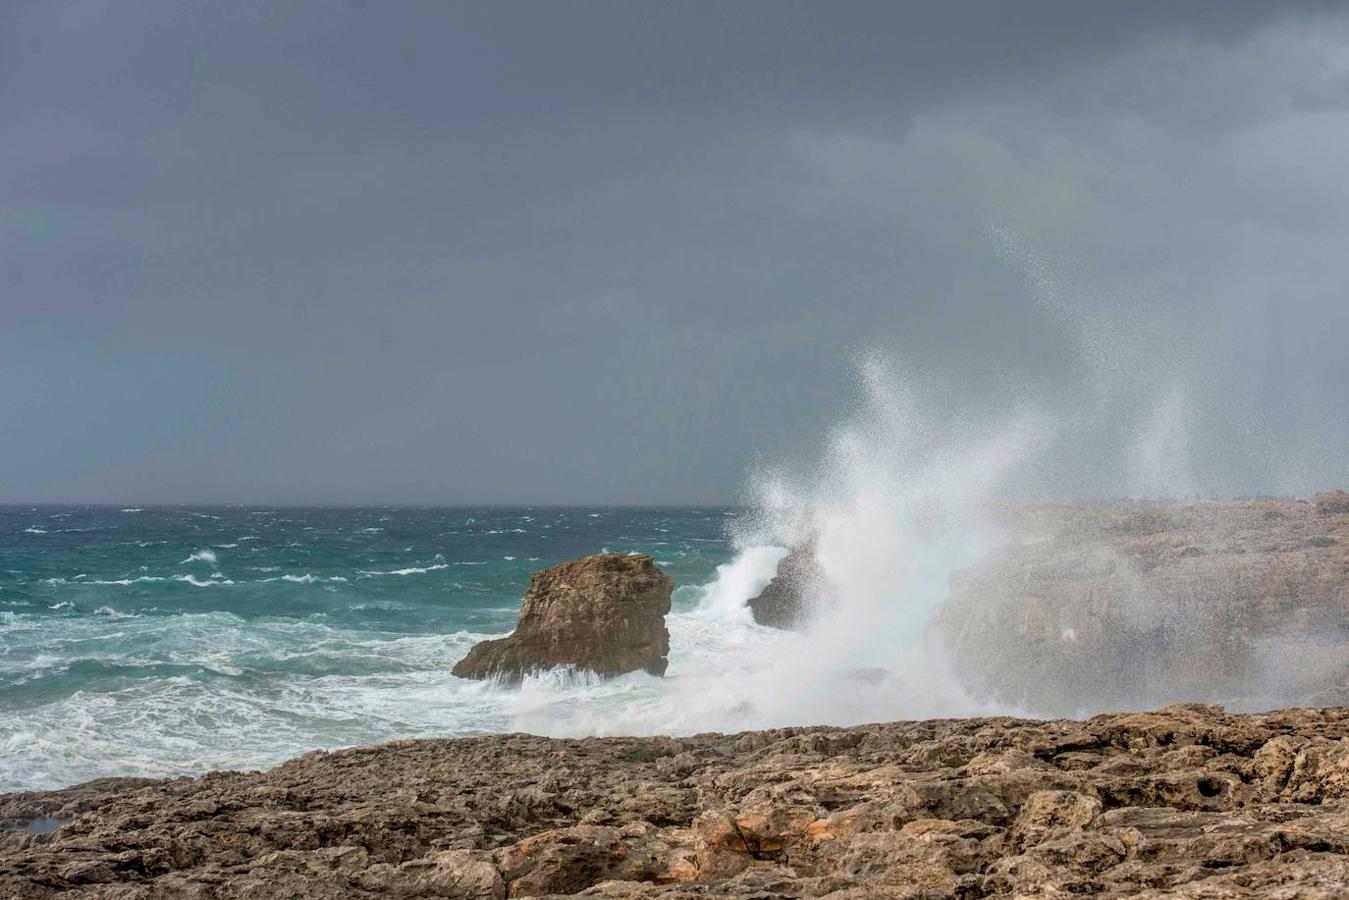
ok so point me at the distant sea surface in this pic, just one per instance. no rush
(163, 641)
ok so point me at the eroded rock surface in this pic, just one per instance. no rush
(1186, 801)
(782, 603)
(1332, 503)
(1134, 606)
(603, 613)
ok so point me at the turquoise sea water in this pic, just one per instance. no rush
(175, 640)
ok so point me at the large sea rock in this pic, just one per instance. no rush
(603, 613)
(1187, 801)
(783, 601)
(1136, 605)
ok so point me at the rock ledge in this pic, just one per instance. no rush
(1188, 800)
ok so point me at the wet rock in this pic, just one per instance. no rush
(604, 614)
(783, 602)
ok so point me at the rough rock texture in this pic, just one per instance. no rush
(1140, 605)
(782, 602)
(604, 613)
(1331, 503)
(1187, 801)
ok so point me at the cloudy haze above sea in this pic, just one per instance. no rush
(630, 252)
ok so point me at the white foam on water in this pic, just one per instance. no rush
(198, 582)
(205, 555)
(411, 570)
(124, 582)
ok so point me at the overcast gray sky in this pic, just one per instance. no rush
(621, 252)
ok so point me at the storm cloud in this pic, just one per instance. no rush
(601, 252)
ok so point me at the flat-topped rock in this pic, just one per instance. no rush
(602, 613)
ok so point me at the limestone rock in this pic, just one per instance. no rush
(1188, 800)
(783, 603)
(1139, 605)
(603, 613)
(1332, 503)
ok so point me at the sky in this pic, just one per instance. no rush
(592, 252)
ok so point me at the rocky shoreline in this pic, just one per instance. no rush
(1187, 800)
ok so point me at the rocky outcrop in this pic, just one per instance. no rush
(1131, 606)
(782, 603)
(1188, 801)
(603, 613)
(1332, 503)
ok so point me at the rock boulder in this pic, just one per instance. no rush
(782, 603)
(603, 613)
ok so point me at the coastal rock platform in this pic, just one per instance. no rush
(1187, 801)
(1133, 606)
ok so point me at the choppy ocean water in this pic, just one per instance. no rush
(163, 641)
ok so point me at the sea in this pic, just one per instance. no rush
(163, 641)
(167, 641)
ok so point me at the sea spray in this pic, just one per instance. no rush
(737, 581)
(895, 506)
(898, 503)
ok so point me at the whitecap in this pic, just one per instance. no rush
(411, 570)
(204, 555)
(33, 529)
(112, 613)
(197, 582)
(128, 581)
